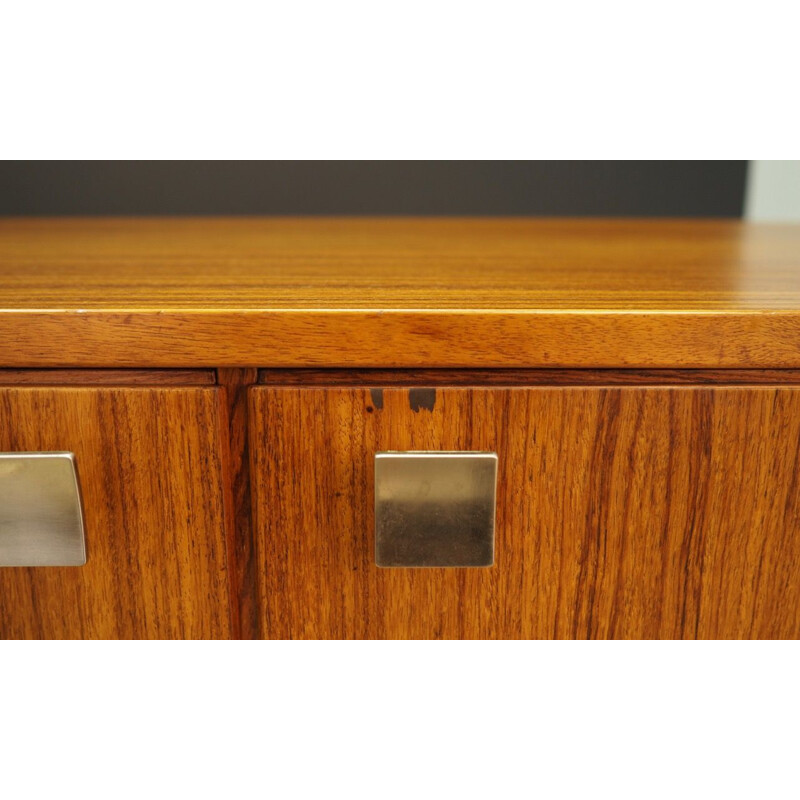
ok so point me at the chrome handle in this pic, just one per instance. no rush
(435, 509)
(41, 518)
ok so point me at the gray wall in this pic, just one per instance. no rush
(615, 188)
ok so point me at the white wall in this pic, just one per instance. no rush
(773, 191)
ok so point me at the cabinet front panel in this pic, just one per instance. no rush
(668, 512)
(150, 475)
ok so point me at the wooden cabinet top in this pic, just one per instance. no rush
(398, 292)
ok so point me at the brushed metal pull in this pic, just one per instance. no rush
(435, 509)
(41, 517)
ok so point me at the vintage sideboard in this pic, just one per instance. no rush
(227, 390)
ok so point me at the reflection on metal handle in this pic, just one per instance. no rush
(41, 519)
(435, 509)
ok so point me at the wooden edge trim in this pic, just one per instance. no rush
(234, 436)
(108, 377)
(531, 377)
(402, 339)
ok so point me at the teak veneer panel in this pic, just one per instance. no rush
(398, 292)
(622, 512)
(148, 463)
(398, 263)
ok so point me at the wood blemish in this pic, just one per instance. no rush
(422, 398)
(377, 398)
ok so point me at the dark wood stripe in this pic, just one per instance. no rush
(529, 377)
(108, 377)
(236, 472)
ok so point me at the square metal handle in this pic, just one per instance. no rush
(435, 509)
(41, 519)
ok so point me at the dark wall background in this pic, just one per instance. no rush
(615, 188)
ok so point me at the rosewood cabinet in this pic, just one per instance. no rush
(624, 511)
(225, 386)
(150, 471)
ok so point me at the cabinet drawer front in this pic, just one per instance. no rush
(150, 477)
(668, 512)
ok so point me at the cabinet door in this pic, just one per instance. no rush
(621, 512)
(149, 469)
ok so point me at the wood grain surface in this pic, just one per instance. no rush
(108, 377)
(236, 473)
(398, 293)
(149, 466)
(526, 377)
(622, 513)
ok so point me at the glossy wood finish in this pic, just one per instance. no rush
(399, 293)
(149, 466)
(398, 263)
(622, 512)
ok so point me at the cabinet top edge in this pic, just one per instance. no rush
(398, 292)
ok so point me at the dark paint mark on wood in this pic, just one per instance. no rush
(422, 398)
(377, 398)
